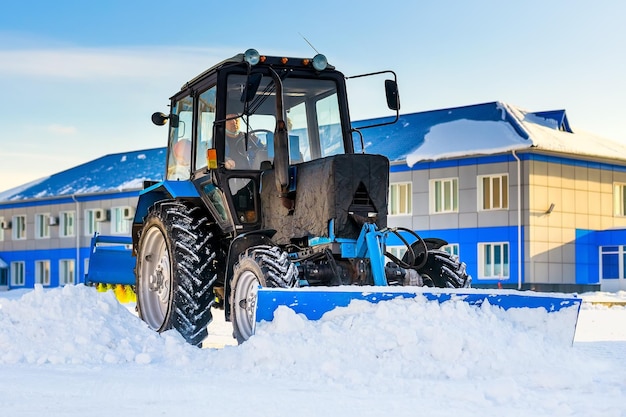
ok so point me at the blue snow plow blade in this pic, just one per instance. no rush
(313, 303)
(111, 261)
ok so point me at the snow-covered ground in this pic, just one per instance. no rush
(75, 352)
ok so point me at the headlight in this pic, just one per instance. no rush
(252, 56)
(320, 62)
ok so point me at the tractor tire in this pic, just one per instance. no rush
(177, 269)
(267, 266)
(444, 270)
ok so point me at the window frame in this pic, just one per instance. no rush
(19, 228)
(503, 193)
(396, 206)
(42, 226)
(119, 225)
(64, 271)
(619, 199)
(18, 270)
(63, 227)
(396, 250)
(451, 248)
(42, 267)
(91, 225)
(505, 264)
(437, 205)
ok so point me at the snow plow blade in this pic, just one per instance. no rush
(111, 261)
(313, 303)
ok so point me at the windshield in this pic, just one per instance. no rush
(313, 119)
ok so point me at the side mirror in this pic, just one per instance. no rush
(159, 118)
(393, 98)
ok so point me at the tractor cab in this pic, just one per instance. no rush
(251, 114)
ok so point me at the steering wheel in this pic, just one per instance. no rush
(255, 131)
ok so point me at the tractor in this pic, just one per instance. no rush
(264, 190)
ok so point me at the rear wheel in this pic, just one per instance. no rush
(176, 269)
(265, 266)
(444, 270)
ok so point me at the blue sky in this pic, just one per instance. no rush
(80, 79)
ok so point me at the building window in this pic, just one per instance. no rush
(17, 273)
(451, 248)
(92, 225)
(612, 261)
(66, 223)
(120, 221)
(493, 260)
(619, 199)
(19, 227)
(444, 195)
(397, 251)
(493, 192)
(400, 199)
(42, 226)
(66, 271)
(42, 272)
(2, 226)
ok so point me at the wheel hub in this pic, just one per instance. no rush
(155, 282)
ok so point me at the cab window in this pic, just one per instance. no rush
(206, 118)
(179, 144)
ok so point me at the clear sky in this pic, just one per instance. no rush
(80, 79)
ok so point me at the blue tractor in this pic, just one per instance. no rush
(263, 190)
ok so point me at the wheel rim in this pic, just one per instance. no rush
(245, 303)
(156, 280)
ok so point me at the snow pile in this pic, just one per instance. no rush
(410, 339)
(72, 349)
(406, 339)
(78, 325)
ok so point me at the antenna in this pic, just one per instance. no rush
(307, 41)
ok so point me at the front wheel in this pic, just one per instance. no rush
(265, 266)
(176, 269)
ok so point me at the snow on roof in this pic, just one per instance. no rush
(482, 129)
(115, 172)
(577, 141)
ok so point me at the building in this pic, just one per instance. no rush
(46, 226)
(525, 200)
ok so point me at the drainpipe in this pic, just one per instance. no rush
(77, 224)
(519, 220)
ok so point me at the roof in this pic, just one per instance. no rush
(479, 129)
(482, 129)
(115, 172)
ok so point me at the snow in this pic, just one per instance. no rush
(72, 351)
(466, 137)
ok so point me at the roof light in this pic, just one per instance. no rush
(320, 62)
(252, 56)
